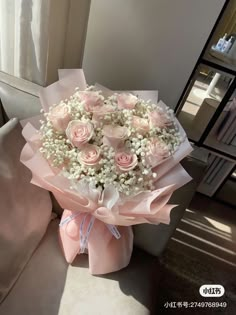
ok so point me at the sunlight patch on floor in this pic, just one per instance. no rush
(219, 225)
(207, 242)
(204, 252)
(210, 230)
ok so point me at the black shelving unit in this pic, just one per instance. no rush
(218, 66)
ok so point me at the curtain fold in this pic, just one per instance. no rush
(24, 38)
(38, 37)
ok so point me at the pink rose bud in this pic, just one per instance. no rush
(140, 124)
(126, 101)
(60, 117)
(158, 151)
(159, 119)
(125, 161)
(114, 135)
(79, 133)
(92, 100)
(89, 155)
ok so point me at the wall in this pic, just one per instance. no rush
(154, 44)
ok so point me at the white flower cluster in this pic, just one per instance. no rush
(119, 140)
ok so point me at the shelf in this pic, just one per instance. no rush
(202, 110)
(218, 64)
(211, 141)
(215, 175)
(228, 192)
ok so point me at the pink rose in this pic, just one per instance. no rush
(114, 135)
(60, 117)
(158, 151)
(89, 155)
(126, 161)
(159, 119)
(126, 101)
(100, 113)
(92, 100)
(79, 132)
(140, 124)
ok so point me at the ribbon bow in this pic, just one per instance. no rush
(76, 226)
(82, 229)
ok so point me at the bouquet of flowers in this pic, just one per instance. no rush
(110, 159)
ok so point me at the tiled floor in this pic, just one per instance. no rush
(201, 251)
(208, 228)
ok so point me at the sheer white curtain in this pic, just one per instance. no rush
(37, 37)
(24, 38)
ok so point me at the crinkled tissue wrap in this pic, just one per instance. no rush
(87, 206)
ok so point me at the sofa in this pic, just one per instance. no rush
(46, 284)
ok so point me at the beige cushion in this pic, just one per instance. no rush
(22, 101)
(48, 286)
(25, 209)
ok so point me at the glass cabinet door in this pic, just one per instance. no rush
(227, 191)
(222, 136)
(202, 98)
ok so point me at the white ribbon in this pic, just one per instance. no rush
(114, 231)
(69, 218)
(84, 236)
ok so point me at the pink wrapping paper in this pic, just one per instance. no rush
(106, 252)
